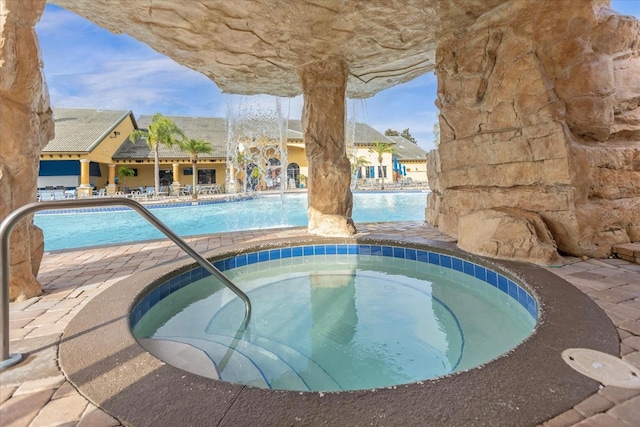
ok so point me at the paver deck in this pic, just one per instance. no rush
(36, 393)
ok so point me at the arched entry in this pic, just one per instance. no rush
(274, 170)
(293, 172)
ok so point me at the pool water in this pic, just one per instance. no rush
(75, 230)
(340, 322)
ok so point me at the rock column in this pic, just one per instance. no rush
(25, 128)
(323, 123)
(539, 111)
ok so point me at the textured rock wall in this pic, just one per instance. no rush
(540, 110)
(25, 128)
(323, 123)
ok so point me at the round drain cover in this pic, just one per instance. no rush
(603, 367)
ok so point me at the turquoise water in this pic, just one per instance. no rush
(66, 231)
(339, 322)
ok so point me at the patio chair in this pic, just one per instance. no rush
(45, 195)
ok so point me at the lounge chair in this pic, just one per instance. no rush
(45, 195)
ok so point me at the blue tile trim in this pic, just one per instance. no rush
(434, 258)
(480, 273)
(150, 207)
(502, 284)
(445, 261)
(484, 274)
(492, 278)
(274, 254)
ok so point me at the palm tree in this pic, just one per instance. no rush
(381, 148)
(162, 130)
(242, 159)
(356, 164)
(195, 147)
(124, 172)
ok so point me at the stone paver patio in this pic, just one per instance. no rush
(36, 393)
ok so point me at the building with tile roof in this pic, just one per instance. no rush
(85, 141)
(98, 141)
(411, 158)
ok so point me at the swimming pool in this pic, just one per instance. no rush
(115, 225)
(335, 317)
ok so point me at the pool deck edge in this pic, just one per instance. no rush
(527, 385)
(37, 392)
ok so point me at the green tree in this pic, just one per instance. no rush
(162, 131)
(195, 147)
(242, 159)
(125, 172)
(407, 135)
(356, 164)
(381, 148)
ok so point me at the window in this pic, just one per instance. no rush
(166, 177)
(293, 175)
(382, 171)
(206, 176)
(370, 172)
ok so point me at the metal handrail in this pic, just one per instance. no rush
(14, 217)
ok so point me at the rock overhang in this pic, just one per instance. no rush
(257, 46)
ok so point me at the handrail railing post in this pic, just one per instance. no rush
(14, 217)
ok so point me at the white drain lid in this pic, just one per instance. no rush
(603, 367)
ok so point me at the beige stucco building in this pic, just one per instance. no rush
(91, 145)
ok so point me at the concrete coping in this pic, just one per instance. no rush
(526, 386)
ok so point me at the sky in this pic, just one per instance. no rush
(107, 71)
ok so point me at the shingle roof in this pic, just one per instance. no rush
(407, 150)
(212, 129)
(364, 134)
(80, 130)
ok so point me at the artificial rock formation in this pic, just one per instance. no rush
(25, 128)
(540, 101)
(323, 114)
(508, 233)
(540, 110)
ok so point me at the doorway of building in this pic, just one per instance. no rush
(293, 175)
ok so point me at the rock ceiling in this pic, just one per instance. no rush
(251, 47)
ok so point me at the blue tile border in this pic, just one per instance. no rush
(148, 206)
(493, 278)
